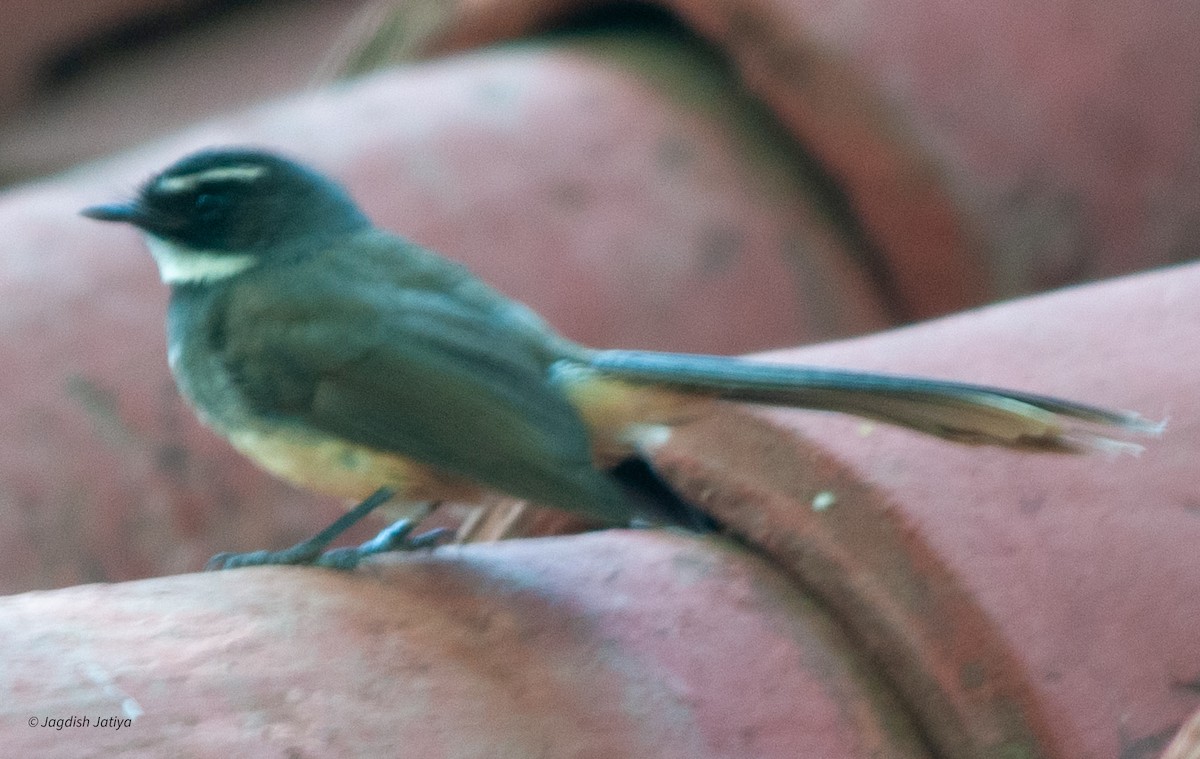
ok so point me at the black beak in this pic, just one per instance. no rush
(130, 213)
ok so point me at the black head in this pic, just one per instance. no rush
(237, 200)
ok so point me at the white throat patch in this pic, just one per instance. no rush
(178, 265)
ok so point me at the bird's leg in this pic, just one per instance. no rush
(396, 537)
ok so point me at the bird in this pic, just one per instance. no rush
(353, 362)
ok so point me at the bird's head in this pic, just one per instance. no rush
(221, 211)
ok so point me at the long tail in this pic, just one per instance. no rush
(953, 410)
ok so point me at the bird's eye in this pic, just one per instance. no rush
(206, 201)
(211, 206)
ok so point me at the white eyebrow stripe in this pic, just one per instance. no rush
(188, 182)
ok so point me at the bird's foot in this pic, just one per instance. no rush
(395, 537)
(312, 552)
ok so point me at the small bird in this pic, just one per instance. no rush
(356, 363)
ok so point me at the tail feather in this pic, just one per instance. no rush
(953, 410)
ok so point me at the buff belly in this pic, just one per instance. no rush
(347, 470)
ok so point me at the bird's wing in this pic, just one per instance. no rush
(413, 367)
